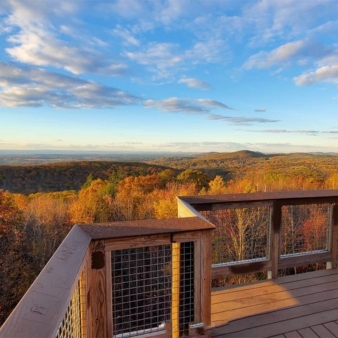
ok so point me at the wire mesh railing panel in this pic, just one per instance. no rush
(141, 290)
(71, 323)
(240, 234)
(183, 289)
(305, 228)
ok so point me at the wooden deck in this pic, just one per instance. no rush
(304, 305)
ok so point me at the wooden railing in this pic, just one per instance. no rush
(90, 278)
(135, 271)
(274, 202)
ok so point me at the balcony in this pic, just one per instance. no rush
(184, 277)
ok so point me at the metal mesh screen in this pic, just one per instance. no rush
(241, 234)
(304, 228)
(71, 323)
(141, 282)
(184, 288)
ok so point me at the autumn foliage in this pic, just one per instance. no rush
(32, 226)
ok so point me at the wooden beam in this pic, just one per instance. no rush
(227, 270)
(137, 242)
(304, 259)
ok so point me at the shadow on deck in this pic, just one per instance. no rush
(304, 305)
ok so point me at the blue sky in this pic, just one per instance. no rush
(174, 75)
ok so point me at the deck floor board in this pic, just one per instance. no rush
(294, 306)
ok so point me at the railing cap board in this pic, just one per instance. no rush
(41, 310)
(261, 197)
(145, 227)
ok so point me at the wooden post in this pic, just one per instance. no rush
(109, 294)
(83, 303)
(197, 281)
(175, 300)
(97, 292)
(206, 261)
(274, 238)
(334, 235)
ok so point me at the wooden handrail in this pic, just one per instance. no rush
(84, 259)
(41, 311)
(72, 296)
(274, 201)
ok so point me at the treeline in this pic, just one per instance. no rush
(51, 177)
(239, 164)
(32, 226)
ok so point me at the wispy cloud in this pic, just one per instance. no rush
(35, 40)
(287, 52)
(127, 37)
(194, 83)
(284, 131)
(186, 106)
(260, 110)
(165, 59)
(242, 120)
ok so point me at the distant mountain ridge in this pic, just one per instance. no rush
(65, 176)
(60, 176)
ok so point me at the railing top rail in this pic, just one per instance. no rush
(41, 310)
(125, 229)
(283, 197)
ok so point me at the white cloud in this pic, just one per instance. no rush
(213, 103)
(35, 39)
(322, 74)
(285, 53)
(194, 83)
(40, 47)
(33, 87)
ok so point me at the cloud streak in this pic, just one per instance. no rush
(284, 131)
(186, 106)
(242, 120)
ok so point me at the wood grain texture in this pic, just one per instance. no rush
(137, 242)
(206, 259)
(97, 296)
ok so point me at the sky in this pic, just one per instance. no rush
(169, 75)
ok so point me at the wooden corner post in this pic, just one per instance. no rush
(97, 292)
(205, 277)
(274, 240)
(334, 235)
